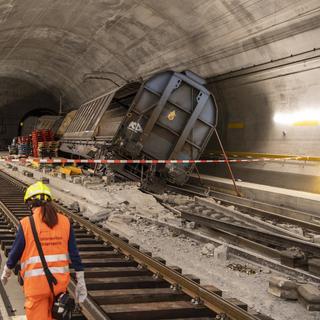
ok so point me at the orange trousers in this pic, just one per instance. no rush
(39, 307)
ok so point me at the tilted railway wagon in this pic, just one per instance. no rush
(170, 116)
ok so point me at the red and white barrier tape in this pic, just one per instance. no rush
(109, 161)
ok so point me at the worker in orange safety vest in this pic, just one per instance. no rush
(58, 243)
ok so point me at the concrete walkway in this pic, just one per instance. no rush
(297, 200)
(15, 295)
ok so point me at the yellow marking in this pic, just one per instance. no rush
(266, 155)
(306, 123)
(172, 115)
(236, 125)
(36, 164)
(70, 170)
(65, 170)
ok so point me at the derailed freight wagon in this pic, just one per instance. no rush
(171, 116)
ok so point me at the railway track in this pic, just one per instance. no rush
(307, 221)
(123, 281)
(242, 226)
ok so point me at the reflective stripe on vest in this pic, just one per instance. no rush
(49, 258)
(54, 242)
(40, 271)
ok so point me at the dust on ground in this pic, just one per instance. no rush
(119, 205)
(188, 254)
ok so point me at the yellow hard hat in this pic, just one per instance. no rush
(36, 190)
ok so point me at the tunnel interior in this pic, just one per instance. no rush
(261, 62)
(137, 98)
(29, 120)
(21, 104)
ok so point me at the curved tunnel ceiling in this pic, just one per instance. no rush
(54, 43)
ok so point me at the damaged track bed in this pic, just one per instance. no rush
(265, 211)
(240, 224)
(123, 281)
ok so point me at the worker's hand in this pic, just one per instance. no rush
(6, 274)
(81, 288)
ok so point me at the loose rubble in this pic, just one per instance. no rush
(283, 288)
(221, 253)
(293, 257)
(122, 207)
(309, 296)
(241, 268)
(208, 250)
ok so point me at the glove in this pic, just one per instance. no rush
(6, 274)
(81, 288)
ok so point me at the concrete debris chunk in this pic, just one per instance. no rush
(283, 288)
(309, 297)
(191, 225)
(216, 215)
(75, 206)
(208, 250)
(314, 266)
(117, 217)
(316, 238)
(282, 282)
(100, 216)
(293, 257)
(182, 208)
(109, 178)
(198, 209)
(296, 230)
(221, 253)
(62, 175)
(27, 173)
(93, 185)
(207, 212)
(175, 233)
(181, 200)
(266, 271)
(76, 180)
(283, 294)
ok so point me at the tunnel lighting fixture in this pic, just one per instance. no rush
(300, 118)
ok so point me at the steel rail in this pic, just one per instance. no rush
(294, 217)
(89, 308)
(270, 259)
(271, 215)
(211, 300)
(248, 219)
(229, 237)
(253, 234)
(6, 301)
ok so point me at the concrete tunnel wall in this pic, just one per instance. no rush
(17, 99)
(53, 44)
(250, 99)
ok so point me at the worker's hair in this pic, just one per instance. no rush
(49, 212)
